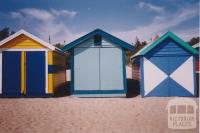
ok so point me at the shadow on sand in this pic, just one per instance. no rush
(133, 88)
(63, 90)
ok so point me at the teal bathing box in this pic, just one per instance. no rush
(98, 65)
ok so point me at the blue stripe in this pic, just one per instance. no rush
(72, 71)
(55, 68)
(124, 68)
(99, 91)
(142, 76)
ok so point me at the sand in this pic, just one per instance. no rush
(85, 115)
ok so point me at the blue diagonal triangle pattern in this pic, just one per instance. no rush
(168, 56)
(175, 62)
(160, 62)
(176, 89)
(162, 90)
(168, 64)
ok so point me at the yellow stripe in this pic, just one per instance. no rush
(50, 76)
(50, 57)
(23, 72)
(50, 85)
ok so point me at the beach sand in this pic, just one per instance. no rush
(86, 115)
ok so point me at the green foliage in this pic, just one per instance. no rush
(5, 32)
(138, 45)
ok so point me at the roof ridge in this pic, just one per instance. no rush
(22, 31)
(106, 35)
(185, 45)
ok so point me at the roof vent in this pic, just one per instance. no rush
(97, 40)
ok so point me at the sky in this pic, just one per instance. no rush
(67, 20)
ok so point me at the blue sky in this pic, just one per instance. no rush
(126, 19)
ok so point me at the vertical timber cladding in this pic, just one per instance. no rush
(98, 68)
(35, 73)
(11, 73)
(28, 76)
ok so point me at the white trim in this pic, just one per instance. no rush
(46, 70)
(183, 71)
(6, 49)
(20, 32)
(196, 45)
(46, 64)
(153, 76)
(1, 72)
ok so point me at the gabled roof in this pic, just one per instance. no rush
(20, 32)
(102, 33)
(149, 47)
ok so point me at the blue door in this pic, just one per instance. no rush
(11, 73)
(35, 73)
(181, 76)
(156, 71)
(169, 76)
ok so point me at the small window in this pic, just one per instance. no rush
(97, 40)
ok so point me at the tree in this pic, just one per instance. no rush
(58, 45)
(144, 43)
(137, 42)
(5, 32)
(194, 40)
(138, 45)
(12, 32)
